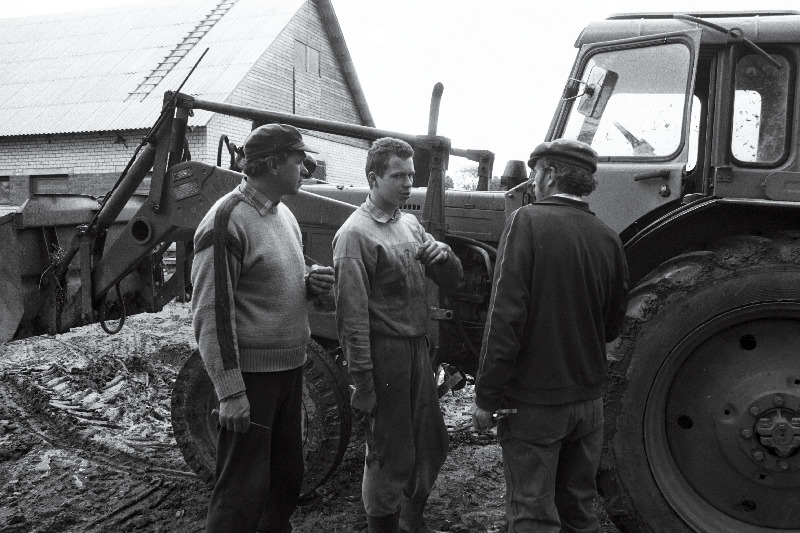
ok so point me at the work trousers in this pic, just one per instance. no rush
(408, 426)
(550, 455)
(259, 473)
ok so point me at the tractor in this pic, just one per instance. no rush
(696, 120)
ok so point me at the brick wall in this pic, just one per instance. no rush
(344, 164)
(92, 162)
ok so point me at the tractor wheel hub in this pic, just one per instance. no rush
(778, 430)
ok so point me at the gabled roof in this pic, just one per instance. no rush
(102, 70)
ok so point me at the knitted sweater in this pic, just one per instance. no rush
(249, 296)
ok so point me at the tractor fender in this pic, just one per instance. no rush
(694, 225)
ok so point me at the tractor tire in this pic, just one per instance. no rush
(325, 411)
(703, 406)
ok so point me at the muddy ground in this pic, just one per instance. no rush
(86, 443)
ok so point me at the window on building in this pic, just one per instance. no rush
(5, 190)
(320, 172)
(49, 184)
(306, 59)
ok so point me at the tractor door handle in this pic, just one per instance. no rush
(651, 175)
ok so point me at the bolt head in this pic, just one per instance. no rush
(778, 400)
(746, 433)
(758, 455)
(783, 464)
(754, 410)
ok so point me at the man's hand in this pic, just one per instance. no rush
(234, 413)
(433, 253)
(320, 280)
(481, 418)
(364, 400)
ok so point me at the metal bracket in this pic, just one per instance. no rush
(437, 313)
(723, 174)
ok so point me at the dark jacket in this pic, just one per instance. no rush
(560, 293)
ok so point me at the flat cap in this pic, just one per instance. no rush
(567, 151)
(273, 138)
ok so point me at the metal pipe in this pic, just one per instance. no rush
(325, 126)
(114, 205)
(316, 124)
(479, 156)
(178, 137)
(436, 101)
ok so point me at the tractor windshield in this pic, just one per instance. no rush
(632, 101)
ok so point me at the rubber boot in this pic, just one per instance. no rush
(411, 519)
(411, 516)
(383, 524)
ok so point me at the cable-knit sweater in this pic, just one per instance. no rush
(249, 295)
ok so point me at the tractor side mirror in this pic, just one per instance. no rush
(599, 86)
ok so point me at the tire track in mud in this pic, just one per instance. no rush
(59, 432)
(48, 402)
(132, 484)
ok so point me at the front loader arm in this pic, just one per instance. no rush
(189, 190)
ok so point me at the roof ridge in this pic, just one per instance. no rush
(180, 50)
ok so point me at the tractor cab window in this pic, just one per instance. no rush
(760, 110)
(630, 103)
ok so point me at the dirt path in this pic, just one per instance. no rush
(86, 443)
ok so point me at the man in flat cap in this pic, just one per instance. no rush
(559, 295)
(250, 320)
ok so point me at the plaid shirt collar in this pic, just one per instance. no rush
(379, 214)
(262, 204)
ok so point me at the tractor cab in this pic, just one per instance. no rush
(685, 106)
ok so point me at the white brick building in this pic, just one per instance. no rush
(79, 91)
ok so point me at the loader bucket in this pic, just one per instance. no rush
(11, 301)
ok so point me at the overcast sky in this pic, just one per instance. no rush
(503, 63)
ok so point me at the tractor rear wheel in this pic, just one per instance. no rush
(703, 407)
(325, 411)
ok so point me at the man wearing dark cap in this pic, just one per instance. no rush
(251, 325)
(560, 293)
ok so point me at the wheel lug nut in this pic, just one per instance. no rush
(754, 411)
(783, 464)
(746, 433)
(758, 455)
(778, 400)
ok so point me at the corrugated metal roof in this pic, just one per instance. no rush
(74, 72)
